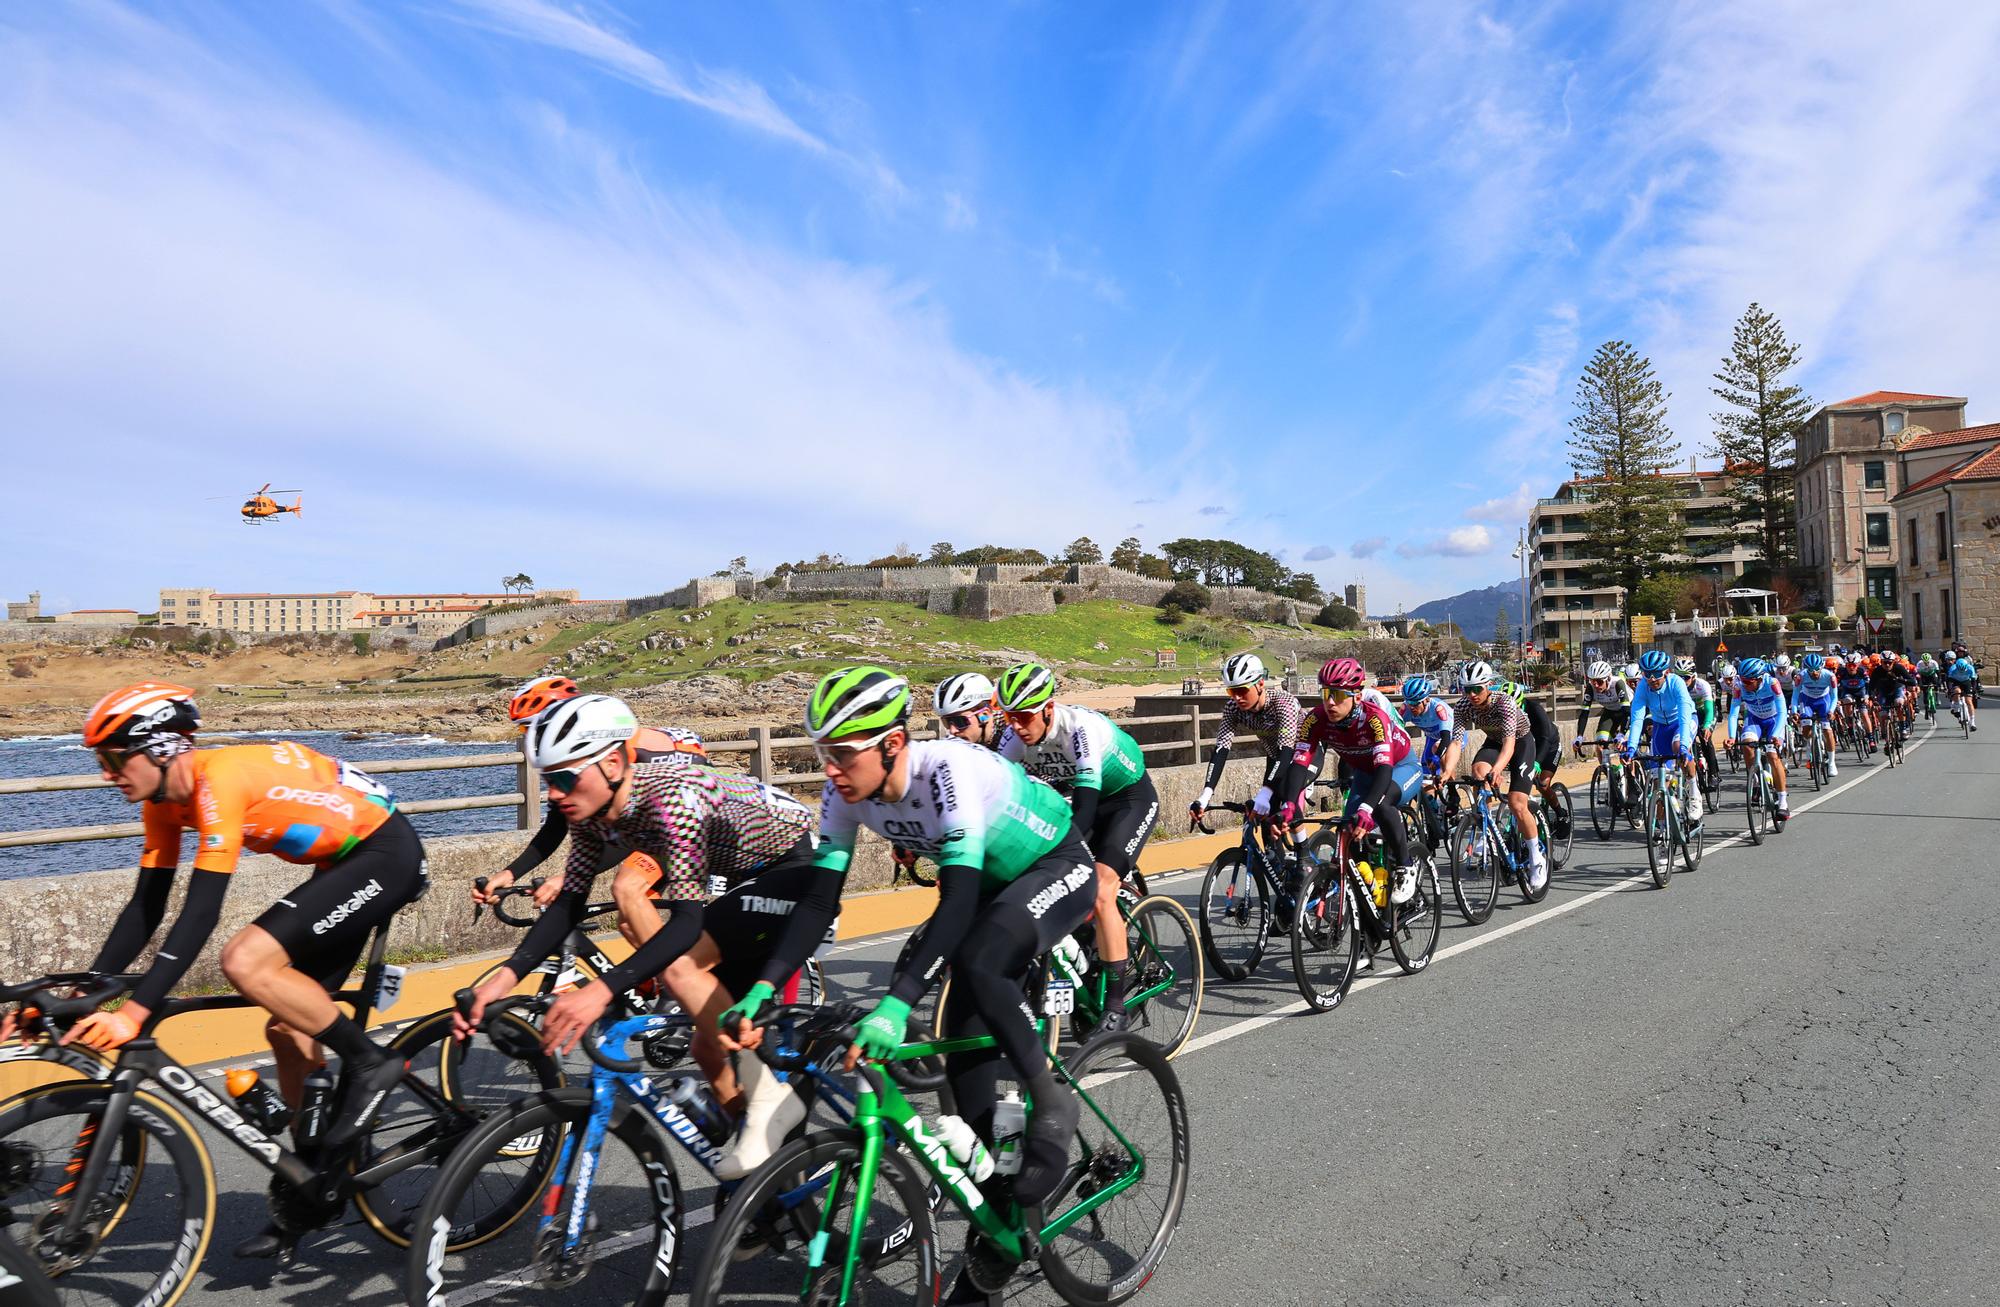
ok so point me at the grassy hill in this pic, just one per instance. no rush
(774, 637)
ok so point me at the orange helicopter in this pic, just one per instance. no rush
(261, 507)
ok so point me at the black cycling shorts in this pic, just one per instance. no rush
(747, 921)
(1613, 721)
(1520, 767)
(1124, 823)
(1052, 898)
(324, 923)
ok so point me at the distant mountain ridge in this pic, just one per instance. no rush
(1474, 610)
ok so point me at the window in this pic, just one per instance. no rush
(1878, 530)
(1892, 423)
(1917, 613)
(1875, 474)
(1882, 585)
(1944, 613)
(1944, 541)
(1911, 539)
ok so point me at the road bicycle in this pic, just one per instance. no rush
(612, 1221)
(1614, 790)
(1665, 814)
(1487, 844)
(120, 1196)
(1249, 892)
(1930, 703)
(1339, 906)
(1893, 738)
(866, 1232)
(1818, 754)
(1958, 710)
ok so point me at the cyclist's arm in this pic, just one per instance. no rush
(820, 904)
(1381, 783)
(549, 931)
(680, 932)
(1641, 701)
(135, 925)
(1088, 788)
(957, 907)
(182, 945)
(1583, 716)
(1225, 736)
(683, 818)
(1708, 713)
(547, 840)
(1735, 716)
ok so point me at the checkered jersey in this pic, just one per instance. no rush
(1500, 717)
(697, 823)
(1277, 723)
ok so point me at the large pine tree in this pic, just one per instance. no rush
(1758, 433)
(1621, 448)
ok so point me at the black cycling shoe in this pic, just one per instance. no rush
(263, 1245)
(363, 1098)
(1045, 1155)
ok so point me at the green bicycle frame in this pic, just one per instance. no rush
(881, 1111)
(1090, 997)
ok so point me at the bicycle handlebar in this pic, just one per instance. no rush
(94, 988)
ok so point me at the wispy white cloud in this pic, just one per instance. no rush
(1459, 542)
(1060, 268)
(305, 296)
(1506, 510)
(1368, 547)
(1320, 553)
(727, 93)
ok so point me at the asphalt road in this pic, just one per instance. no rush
(1777, 1081)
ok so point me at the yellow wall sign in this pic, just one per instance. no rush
(1642, 630)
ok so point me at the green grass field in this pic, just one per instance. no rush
(775, 637)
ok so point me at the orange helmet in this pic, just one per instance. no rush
(683, 742)
(135, 715)
(534, 698)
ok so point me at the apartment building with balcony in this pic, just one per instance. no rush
(1849, 471)
(1573, 614)
(320, 612)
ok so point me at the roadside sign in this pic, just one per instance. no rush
(1642, 629)
(1722, 646)
(1875, 625)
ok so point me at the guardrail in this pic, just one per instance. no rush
(763, 748)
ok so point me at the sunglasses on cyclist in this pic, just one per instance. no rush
(1655, 678)
(842, 757)
(1022, 718)
(959, 721)
(1332, 695)
(113, 760)
(1239, 691)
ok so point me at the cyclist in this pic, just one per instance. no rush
(1885, 690)
(1662, 705)
(1725, 681)
(1508, 751)
(1431, 716)
(703, 827)
(1548, 748)
(1703, 695)
(1962, 675)
(1812, 701)
(1256, 705)
(1781, 674)
(1851, 674)
(1608, 692)
(633, 885)
(1928, 676)
(968, 706)
(1758, 716)
(1013, 878)
(1112, 801)
(1384, 773)
(278, 798)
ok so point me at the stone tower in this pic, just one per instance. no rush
(1355, 596)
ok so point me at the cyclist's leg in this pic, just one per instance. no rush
(1124, 822)
(285, 959)
(1018, 925)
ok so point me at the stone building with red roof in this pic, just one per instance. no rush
(1948, 516)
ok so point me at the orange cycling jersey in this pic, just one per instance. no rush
(279, 798)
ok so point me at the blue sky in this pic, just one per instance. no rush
(613, 294)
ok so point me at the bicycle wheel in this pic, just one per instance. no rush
(1692, 840)
(147, 1228)
(1235, 915)
(940, 1029)
(1560, 845)
(1414, 926)
(1475, 868)
(783, 1238)
(631, 1230)
(1326, 943)
(421, 1123)
(1109, 1255)
(1816, 760)
(1753, 802)
(1603, 819)
(1162, 946)
(1659, 834)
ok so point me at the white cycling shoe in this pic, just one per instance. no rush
(770, 1111)
(1405, 887)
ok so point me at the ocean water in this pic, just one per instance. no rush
(65, 756)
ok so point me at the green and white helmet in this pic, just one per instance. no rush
(1026, 686)
(857, 701)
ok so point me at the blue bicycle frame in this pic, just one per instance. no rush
(642, 1086)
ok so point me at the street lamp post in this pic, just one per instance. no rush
(1521, 556)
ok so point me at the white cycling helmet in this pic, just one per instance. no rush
(1597, 671)
(1242, 669)
(1475, 675)
(1631, 672)
(965, 692)
(1684, 665)
(1725, 669)
(1783, 662)
(579, 731)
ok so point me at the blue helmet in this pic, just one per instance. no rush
(1815, 662)
(1752, 668)
(1655, 661)
(1417, 689)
